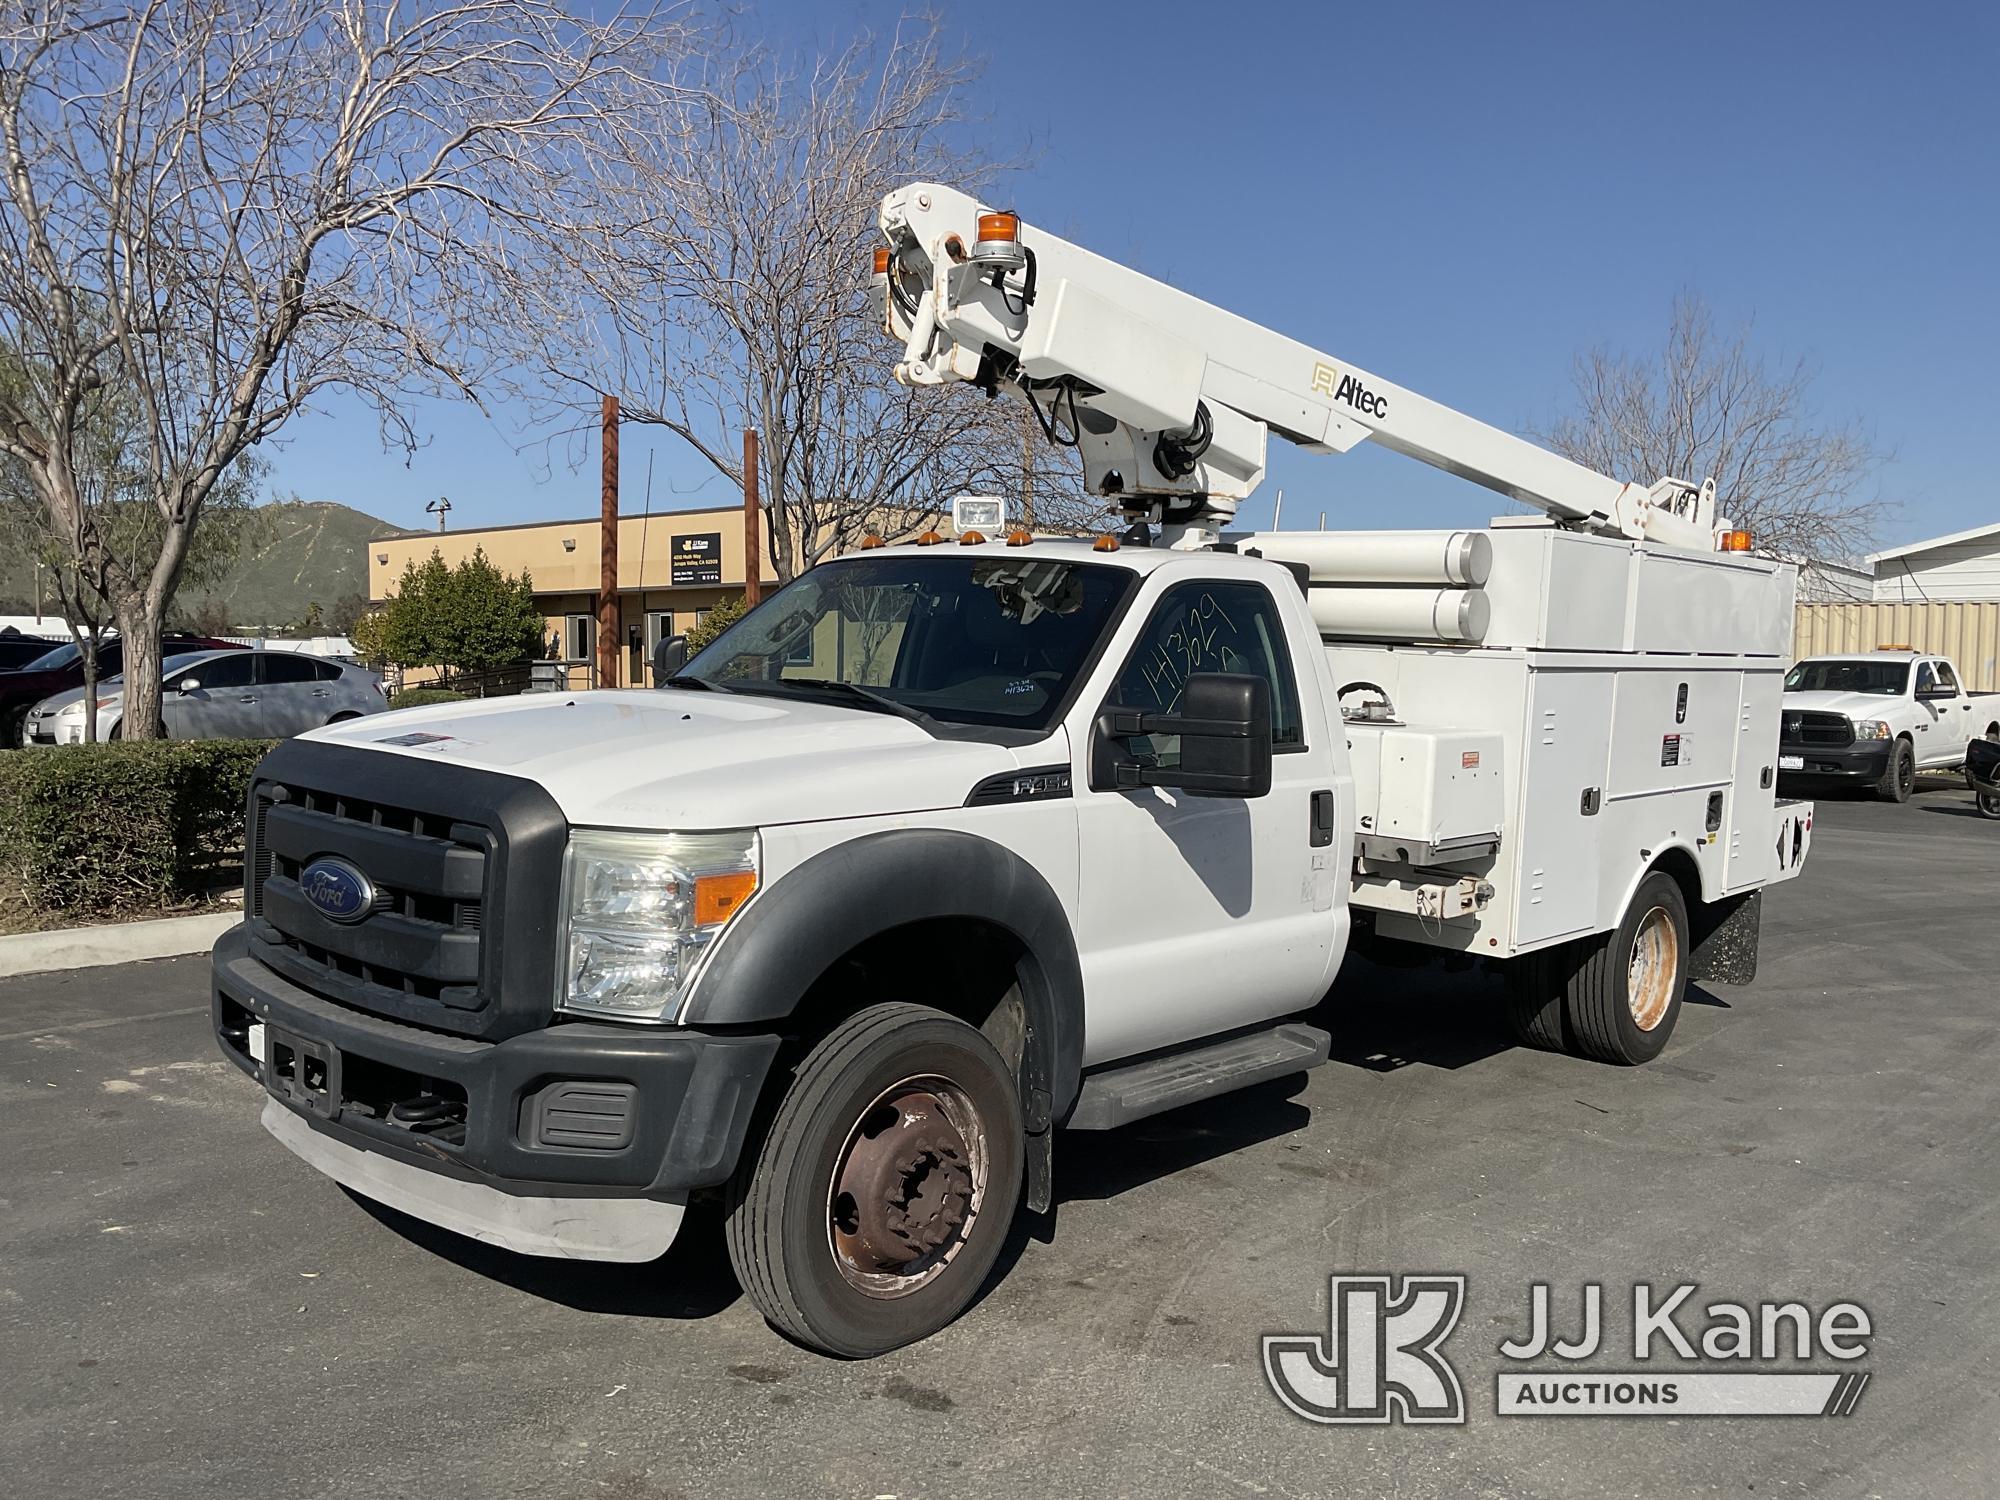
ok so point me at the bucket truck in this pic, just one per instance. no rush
(955, 844)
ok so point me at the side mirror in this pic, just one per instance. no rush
(1224, 726)
(188, 685)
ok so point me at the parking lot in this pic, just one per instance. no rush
(189, 1311)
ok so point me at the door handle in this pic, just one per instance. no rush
(319, 692)
(247, 698)
(1322, 820)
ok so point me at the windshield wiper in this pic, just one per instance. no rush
(699, 684)
(881, 702)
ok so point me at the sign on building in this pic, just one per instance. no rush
(696, 558)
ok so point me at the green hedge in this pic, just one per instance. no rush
(131, 825)
(417, 697)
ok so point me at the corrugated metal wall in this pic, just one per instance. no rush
(1967, 631)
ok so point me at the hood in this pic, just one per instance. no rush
(690, 760)
(109, 689)
(1854, 705)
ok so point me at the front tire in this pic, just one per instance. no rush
(880, 1198)
(1625, 996)
(1989, 804)
(1899, 777)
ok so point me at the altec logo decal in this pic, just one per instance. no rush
(1383, 1361)
(1328, 381)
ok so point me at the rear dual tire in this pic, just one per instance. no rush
(1615, 997)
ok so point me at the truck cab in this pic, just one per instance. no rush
(1877, 718)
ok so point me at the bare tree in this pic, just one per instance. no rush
(733, 293)
(1706, 404)
(226, 210)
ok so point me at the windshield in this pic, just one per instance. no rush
(1885, 678)
(971, 640)
(49, 661)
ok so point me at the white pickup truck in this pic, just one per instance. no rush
(1877, 718)
(953, 844)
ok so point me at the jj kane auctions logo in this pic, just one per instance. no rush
(1382, 1358)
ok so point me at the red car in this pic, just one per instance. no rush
(60, 668)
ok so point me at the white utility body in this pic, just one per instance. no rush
(952, 844)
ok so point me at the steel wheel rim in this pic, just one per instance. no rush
(907, 1187)
(1906, 771)
(1653, 969)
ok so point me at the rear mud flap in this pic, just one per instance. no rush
(1725, 938)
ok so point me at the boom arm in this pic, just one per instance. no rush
(1169, 398)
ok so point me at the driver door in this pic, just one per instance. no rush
(1949, 730)
(1196, 915)
(223, 706)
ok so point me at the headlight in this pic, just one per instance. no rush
(1870, 729)
(639, 909)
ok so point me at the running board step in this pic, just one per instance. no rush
(1121, 1095)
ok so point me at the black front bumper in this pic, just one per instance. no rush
(1866, 760)
(574, 1108)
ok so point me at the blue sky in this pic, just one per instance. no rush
(1458, 197)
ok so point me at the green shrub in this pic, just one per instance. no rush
(130, 825)
(725, 613)
(417, 697)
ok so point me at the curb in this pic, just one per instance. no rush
(113, 943)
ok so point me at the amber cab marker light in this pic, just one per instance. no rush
(929, 539)
(1019, 538)
(716, 897)
(871, 541)
(1735, 541)
(882, 260)
(1105, 543)
(972, 539)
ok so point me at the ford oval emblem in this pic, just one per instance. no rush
(337, 890)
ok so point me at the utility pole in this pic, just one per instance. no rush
(607, 549)
(753, 557)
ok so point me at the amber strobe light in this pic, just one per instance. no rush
(882, 260)
(999, 241)
(1735, 541)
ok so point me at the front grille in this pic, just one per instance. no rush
(436, 843)
(1822, 730)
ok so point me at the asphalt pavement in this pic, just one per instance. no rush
(186, 1310)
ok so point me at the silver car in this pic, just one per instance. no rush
(222, 695)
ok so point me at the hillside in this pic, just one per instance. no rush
(293, 554)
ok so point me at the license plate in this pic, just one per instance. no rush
(1791, 763)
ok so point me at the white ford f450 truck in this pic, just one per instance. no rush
(1876, 718)
(954, 844)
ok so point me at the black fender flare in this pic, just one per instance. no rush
(794, 931)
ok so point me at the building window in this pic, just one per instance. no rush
(579, 637)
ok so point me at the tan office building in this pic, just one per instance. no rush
(672, 568)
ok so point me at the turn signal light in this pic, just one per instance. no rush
(929, 539)
(1735, 541)
(716, 897)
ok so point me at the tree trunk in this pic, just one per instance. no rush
(87, 645)
(140, 632)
